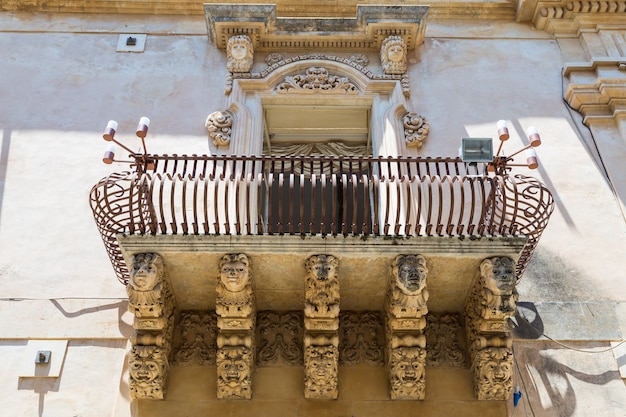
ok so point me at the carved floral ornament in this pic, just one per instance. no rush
(317, 80)
(416, 129)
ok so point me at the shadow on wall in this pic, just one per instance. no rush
(125, 328)
(40, 386)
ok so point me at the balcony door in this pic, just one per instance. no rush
(308, 188)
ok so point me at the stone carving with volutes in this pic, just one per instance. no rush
(416, 130)
(321, 377)
(239, 54)
(393, 53)
(195, 341)
(219, 125)
(361, 338)
(445, 347)
(405, 310)
(407, 373)
(279, 338)
(493, 371)
(148, 371)
(234, 373)
(317, 80)
(492, 301)
(236, 317)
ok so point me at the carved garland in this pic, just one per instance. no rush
(317, 80)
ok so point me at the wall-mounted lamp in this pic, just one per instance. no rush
(138, 158)
(476, 150)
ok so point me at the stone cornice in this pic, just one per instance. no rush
(268, 31)
(566, 17)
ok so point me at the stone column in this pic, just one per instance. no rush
(492, 301)
(152, 302)
(236, 315)
(321, 325)
(405, 311)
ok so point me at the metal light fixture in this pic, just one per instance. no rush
(501, 164)
(476, 150)
(139, 159)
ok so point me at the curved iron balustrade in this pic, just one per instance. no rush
(256, 195)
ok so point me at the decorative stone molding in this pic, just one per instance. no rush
(416, 129)
(442, 338)
(270, 32)
(567, 16)
(234, 373)
(236, 316)
(239, 53)
(321, 372)
(393, 55)
(361, 338)
(148, 369)
(405, 308)
(152, 303)
(407, 373)
(195, 341)
(360, 59)
(273, 58)
(492, 301)
(279, 337)
(219, 124)
(321, 322)
(317, 80)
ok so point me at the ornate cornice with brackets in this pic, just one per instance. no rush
(566, 17)
(269, 32)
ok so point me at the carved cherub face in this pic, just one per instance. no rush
(411, 273)
(323, 267)
(234, 273)
(144, 274)
(501, 279)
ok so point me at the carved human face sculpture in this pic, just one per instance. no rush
(234, 273)
(322, 368)
(144, 367)
(239, 50)
(501, 279)
(395, 53)
(409, 370)
(411, 273)
(233, 369)
(144, 273)
(323, 267)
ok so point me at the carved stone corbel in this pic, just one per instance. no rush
(393, 55)
(152, 302)
(219, 125)
(416, 130)
(492, 301)
(236, 315)
(405, 310)
(321, 324)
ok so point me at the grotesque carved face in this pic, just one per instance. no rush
(323, 267)
(145, 272)
(411, 273)
(233, 367)
(144, 367)
(234, 272)
(409, 369)
(321, 366)
(501, 279)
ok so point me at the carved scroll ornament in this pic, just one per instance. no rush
(279, 338)
(317, 80)
(219, 124)
(197, 339)
(416, 130)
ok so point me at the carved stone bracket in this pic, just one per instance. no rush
(152, 302)
(416, 129)
(219, 125)
(321, 323)
(236, 316)
(405, 310)
(492, 301)
(393, 55)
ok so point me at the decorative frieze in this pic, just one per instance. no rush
(416, 130)
(361, 338)
(321, 322)
(279, 338)
(492, 301)
(152, 302)
(405, 308)
(443, 341)
(393, 55)
(236, 316)
(195, 341)
(219, 125)
(317, 80)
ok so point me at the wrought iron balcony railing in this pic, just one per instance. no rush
(265, 195)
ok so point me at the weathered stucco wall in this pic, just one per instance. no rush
(62, 81)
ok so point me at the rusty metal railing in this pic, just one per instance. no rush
(209, 195)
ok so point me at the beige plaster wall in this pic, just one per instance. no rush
(62, 81)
